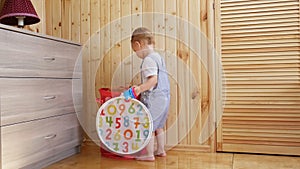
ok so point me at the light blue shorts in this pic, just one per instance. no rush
(158, 103)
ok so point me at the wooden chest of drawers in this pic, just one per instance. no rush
(38, 121)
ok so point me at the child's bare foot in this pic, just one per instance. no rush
(163, 154)
(146, 158)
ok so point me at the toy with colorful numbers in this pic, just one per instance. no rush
(124, 126)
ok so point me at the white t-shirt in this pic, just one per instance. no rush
(149, 68)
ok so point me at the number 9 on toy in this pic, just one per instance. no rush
(124, 126)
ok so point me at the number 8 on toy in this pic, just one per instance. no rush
(124, 127)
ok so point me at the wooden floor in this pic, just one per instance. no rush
(90, 158)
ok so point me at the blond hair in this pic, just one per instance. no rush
(142, 34)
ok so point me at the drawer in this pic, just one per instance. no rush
(31, 142)
(25, 99)
(23, 55)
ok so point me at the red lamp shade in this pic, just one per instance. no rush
(18, 12)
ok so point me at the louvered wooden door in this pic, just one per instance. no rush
(260, 58)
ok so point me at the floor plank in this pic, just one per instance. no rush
(248, 161)
(90, 158)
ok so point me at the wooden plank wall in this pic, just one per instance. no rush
(40, 9)
(104, 28)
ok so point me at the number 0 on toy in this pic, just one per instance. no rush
(124, 127)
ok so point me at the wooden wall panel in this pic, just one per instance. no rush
(136, 21)
(125, 43)
(39, 6)
(48, 20)
(75, 20)
(67, 19)
(95, 50)
(115, 41)
(57, 18)
(104, 28)
(182, 72)
(195, 89)
(171, 62)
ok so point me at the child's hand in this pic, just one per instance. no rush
(136, 90)
(128, 94)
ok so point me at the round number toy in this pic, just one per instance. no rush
(124, 126)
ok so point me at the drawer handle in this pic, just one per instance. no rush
(51, 136)
(49, 97)
(49, 58)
